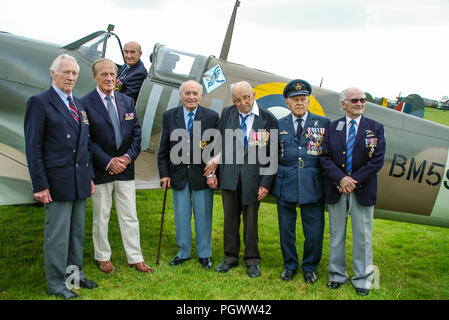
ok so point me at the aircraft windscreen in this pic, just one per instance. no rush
(173, 64)
(93, 49)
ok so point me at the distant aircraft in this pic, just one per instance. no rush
(413, 184)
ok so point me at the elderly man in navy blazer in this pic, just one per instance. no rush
(353, 153)
(299, 181)
(191, 190)
(59, 162)
(115, 133)
(132, 74)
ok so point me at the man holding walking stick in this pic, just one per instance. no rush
(190, 188)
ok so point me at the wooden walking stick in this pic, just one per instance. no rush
(162, 225)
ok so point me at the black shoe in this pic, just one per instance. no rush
(66, 294)
(333, 285)
(253, 271)
(361, 291)
(288, 274)
(88, 284)
(206, 263)
(177, 261)
(310, 277)
(225, 266)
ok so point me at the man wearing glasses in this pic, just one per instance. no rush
(353, 153)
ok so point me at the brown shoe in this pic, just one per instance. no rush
(142, 267)
(105, 266)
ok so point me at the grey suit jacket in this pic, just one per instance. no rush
(247, 172)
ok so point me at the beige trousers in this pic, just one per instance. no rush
(124, 193)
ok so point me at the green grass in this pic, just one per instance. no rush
(413, 260)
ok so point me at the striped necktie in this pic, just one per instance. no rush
(190, 123)
(243, 128)
(73, 109)
(350, 147)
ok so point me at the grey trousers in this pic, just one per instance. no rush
(63, 241)
(362, 231)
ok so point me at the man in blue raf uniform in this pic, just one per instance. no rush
(56, 143)
(299, 181)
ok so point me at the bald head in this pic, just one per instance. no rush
(132, 52)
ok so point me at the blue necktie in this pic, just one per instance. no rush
(190, 123)
(243, 128)
(350, 147)
(299, 128)
(115, 122)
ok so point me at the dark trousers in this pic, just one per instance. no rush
(312, 217)
(232, 208)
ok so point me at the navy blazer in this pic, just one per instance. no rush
(366, 160)
(248, 173)
(57, 147)
(179, 174)
(132, 79)
(103, 136)
(299, 177)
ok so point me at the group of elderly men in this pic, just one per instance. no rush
(81, 147)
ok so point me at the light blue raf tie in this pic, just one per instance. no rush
(350, 147)
(115, 122)
(243, 128)
(190, 123)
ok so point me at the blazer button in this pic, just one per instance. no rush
(74, 150)
(68, 136)
(188, 166)
(299, 148)
(343, 165)
(344, 152)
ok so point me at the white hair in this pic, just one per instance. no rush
(57, 62)
(344, 92)
(181, 88)
(246, 83)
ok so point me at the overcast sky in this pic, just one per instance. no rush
(385, 47)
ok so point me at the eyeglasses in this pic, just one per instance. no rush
(355, 100)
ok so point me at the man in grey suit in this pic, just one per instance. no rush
(243, 186)
(59, 162)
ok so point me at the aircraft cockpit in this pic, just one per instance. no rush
(97, 45)
(174, 66)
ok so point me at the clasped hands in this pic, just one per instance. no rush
(118, 164)
(347, 185)
(212, 182)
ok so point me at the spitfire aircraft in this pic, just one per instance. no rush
(413, 184)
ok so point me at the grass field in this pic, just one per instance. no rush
(413, 260)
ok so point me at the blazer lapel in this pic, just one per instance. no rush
(121, 110)
(179, 118)
(361, 131)
(100, 107)
(83, 126)
(341, 134)
(63, 110)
